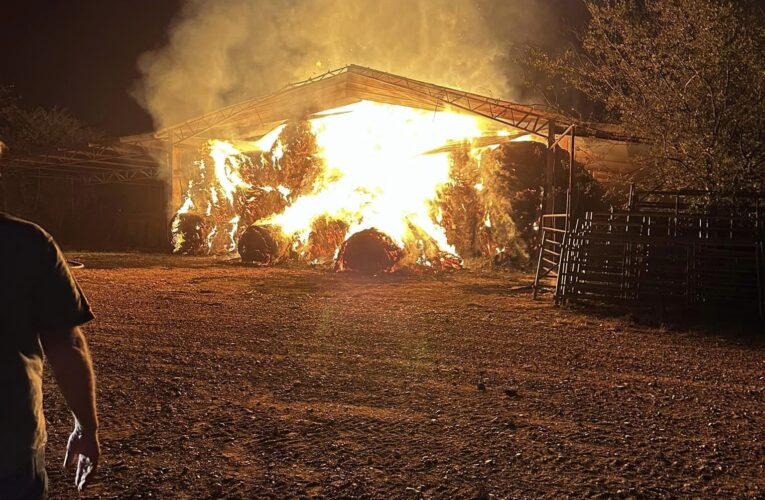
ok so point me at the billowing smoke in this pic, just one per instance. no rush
(225, 51)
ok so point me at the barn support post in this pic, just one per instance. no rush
(173, 188)
(549, 189)
(176, 180)
(571, 179)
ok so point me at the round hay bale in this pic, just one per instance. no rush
(368, 252)
(189, 234)
(260, 245)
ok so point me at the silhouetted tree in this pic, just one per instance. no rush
(24, 131)
(685, 76)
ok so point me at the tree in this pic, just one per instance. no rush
(24, 131)
(687, 77)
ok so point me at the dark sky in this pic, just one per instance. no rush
(81, 55)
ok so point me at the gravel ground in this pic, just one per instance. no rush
(219, 380)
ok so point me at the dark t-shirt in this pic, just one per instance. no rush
(37, 293)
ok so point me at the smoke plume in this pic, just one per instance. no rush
(225, 51)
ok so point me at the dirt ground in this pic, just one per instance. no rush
(219, 380)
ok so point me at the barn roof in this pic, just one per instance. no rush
(130, 158)
(348, 85)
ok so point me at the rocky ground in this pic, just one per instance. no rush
(219, 380)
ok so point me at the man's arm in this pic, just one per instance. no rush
(68, 355)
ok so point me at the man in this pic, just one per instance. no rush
(41, 308)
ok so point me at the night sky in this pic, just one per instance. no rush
(81, 55)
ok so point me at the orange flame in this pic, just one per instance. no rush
(383, 167)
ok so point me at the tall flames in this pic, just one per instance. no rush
(314, 184)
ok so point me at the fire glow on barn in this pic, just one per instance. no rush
(375, 180)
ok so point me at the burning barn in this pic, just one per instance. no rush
(355, 169)
(362, 170)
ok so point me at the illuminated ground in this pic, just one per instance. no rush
(217, 380)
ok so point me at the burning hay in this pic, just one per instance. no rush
(460, 208)
(327, 235)
(189, 234)
(370, 186)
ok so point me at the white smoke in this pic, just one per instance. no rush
(225, 51)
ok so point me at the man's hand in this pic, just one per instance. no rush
(84, 450)
(68, 355)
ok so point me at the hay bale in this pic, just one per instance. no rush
(262, 204)
(490, 208)
(368, 252)
(298, 166)
(460, 207)
(264, 245)
(189, 234)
